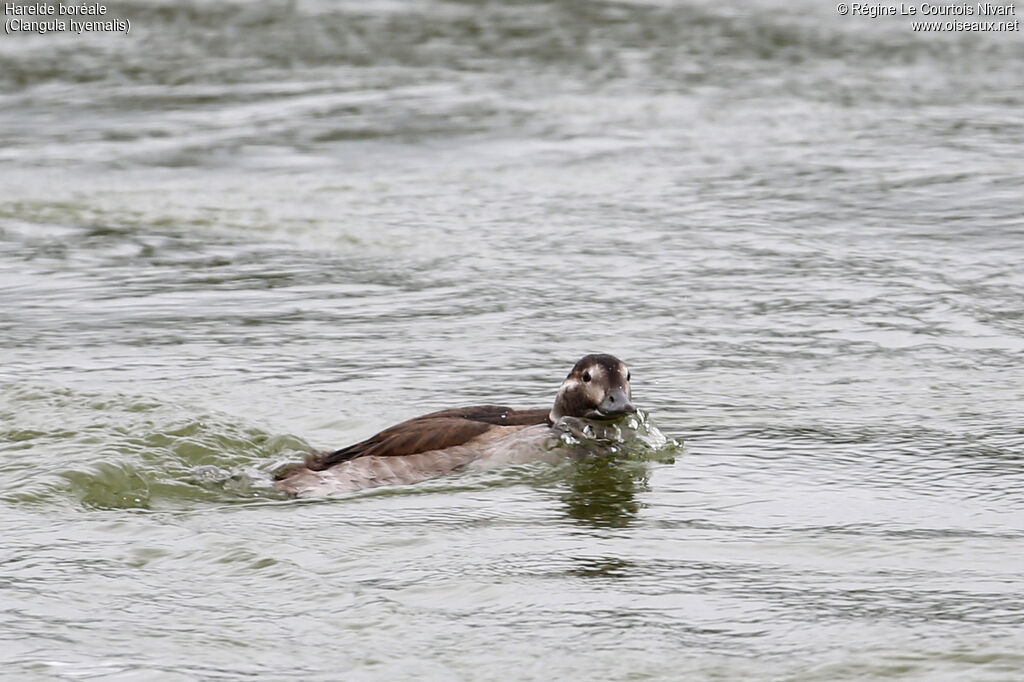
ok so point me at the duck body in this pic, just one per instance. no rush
(441, 443)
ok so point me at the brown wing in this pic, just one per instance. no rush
(492, 414)
(434, 431)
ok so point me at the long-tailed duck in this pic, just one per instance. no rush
(596, 390)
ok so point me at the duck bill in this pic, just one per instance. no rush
(615, 404)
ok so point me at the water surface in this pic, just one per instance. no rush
(247, 230)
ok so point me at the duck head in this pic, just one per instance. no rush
(596, 388)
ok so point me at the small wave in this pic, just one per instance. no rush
(123, 452)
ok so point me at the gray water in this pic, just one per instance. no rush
(245, 230)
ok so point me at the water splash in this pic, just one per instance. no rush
(632, 436)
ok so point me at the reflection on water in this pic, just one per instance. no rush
(244, 232)
(603, 567)
(602, 492)
(611, 465)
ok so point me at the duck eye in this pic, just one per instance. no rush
(586, 376)
(629, 375)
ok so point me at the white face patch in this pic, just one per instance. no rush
(571, 382)
(594, 389)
